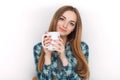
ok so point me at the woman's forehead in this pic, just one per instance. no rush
(71, 15)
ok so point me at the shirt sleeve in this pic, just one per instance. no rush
(68, 72)
(46, 71)
(85, 49)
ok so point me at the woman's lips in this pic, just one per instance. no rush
(63, 30)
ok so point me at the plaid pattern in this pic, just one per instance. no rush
(67, 72)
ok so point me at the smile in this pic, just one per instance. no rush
(63, 30)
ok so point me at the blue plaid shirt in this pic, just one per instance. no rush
(67, 72)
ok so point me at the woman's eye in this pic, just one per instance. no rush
(72, 24)
(61, 19)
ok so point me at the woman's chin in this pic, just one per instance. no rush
(62, 33)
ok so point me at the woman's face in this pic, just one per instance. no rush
(66, 23)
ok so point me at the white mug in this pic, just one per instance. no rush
(54, 36)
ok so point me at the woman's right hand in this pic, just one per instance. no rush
(48, 53)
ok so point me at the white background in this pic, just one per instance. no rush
(23, 22)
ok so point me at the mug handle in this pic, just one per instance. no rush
(43, 40)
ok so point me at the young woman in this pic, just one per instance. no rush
(68, 61)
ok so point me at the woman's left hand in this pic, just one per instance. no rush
(60, 47)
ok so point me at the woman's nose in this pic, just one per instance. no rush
(65, 24)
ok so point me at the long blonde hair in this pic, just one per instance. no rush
(74, 38)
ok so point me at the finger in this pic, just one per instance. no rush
(61, 40)
(47, 38)
(59, 50)
(59, 43)
(47, 51)
(58, 47)
(47, 42)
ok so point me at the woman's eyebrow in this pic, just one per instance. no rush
(70, 20)
(73, 21)
(63, 16)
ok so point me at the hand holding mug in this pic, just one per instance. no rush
(51, 37)
(59, 46)
(46, 42)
